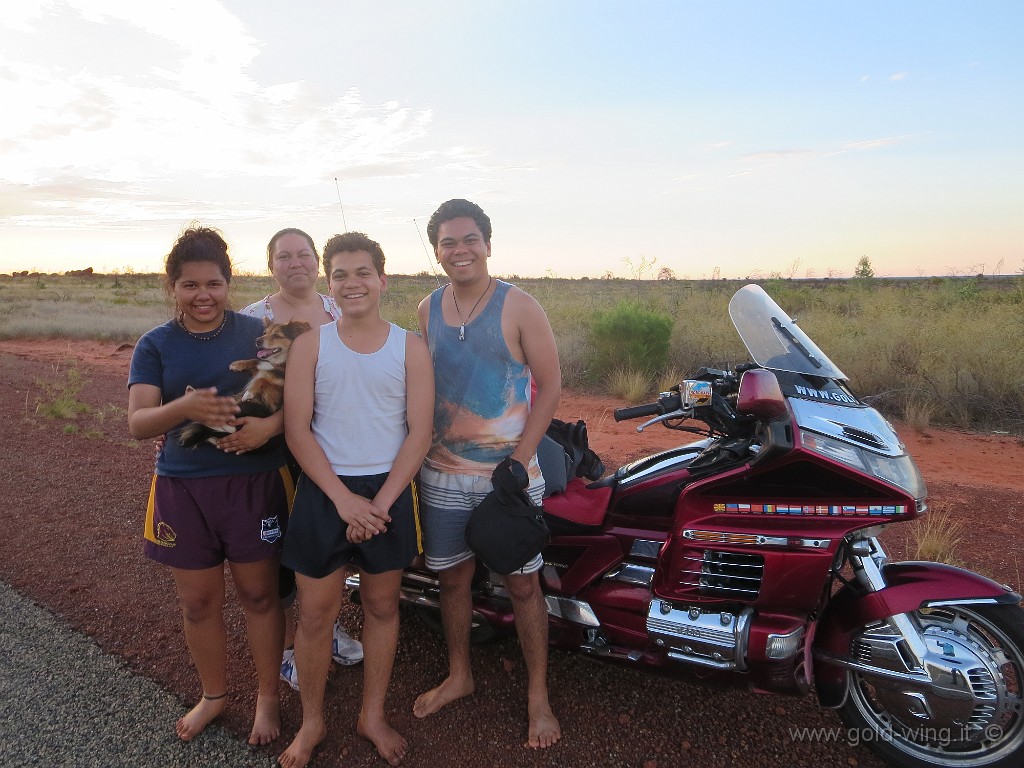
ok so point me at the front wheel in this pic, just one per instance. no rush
(969, 716)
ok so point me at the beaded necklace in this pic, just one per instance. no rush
(206, 335)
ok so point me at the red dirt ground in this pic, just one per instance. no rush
(73, 543)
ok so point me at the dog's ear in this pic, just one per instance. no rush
(266, 322)
(295, 328)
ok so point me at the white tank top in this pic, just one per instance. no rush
(359, 403)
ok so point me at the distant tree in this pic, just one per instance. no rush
(666, 273)
(864, 270)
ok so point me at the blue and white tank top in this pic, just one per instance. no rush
(482, 395)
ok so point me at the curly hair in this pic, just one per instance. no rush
(197, 243)
(282, 233)
(455, 209)
(353, 241)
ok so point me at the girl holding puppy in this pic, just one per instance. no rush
(210, 504)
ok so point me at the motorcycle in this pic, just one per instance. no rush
(752, 555)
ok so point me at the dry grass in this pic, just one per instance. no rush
(935, 537)
(60, 396)
(918, 415)
(631, 385)
(928, 351)
(669, 379)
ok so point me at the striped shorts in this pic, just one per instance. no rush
(446, 501)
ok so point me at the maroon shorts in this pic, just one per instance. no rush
(199, 522)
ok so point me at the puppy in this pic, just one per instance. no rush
(264, 393)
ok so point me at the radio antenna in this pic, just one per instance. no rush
(426, 250)
(338, 190)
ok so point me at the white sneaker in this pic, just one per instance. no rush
(288, 673)
(344, 650)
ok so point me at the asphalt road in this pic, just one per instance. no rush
(63, 702)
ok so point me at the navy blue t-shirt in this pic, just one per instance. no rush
(169, 358)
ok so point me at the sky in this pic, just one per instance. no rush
(711, 139)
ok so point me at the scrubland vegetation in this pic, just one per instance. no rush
(931, 351)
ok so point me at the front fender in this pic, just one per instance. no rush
(910, 586)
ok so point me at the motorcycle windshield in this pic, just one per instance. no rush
(773, 338)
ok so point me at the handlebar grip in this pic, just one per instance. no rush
(638, 411)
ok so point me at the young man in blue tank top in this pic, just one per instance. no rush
(488, 340)
(360, 398)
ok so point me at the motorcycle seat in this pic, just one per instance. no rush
(580, 505)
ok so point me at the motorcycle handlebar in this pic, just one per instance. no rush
(667, 403)
(638, 411)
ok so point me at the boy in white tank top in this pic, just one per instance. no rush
(360, 433)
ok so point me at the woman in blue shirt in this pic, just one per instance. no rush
(212, 503)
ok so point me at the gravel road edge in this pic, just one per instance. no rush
(63, 702)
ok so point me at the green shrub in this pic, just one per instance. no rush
(630, 336)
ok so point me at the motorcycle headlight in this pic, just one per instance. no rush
(900, 471)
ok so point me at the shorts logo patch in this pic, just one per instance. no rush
(164, 535)
(271, 530)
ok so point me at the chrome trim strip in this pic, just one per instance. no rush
(724, 537)
(964, 601)
(748, 591)
(701, 661)
(857, 666)
(737, 577)
(727, 563)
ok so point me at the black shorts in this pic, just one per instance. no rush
(316, 545)
(286, 576)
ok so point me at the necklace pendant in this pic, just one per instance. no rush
(462, 332)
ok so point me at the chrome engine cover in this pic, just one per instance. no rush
(710, 639)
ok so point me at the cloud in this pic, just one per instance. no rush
(20, 16)
(899, 76)
(770, 159)
(173, 104)
(857, 146)
(75, 204)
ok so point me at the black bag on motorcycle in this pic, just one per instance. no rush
(506, 531)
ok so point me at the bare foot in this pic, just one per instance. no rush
(201, 715)
(301, 749)
(544, 727)
(450, 690)
(266, 726)
(390, 744)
